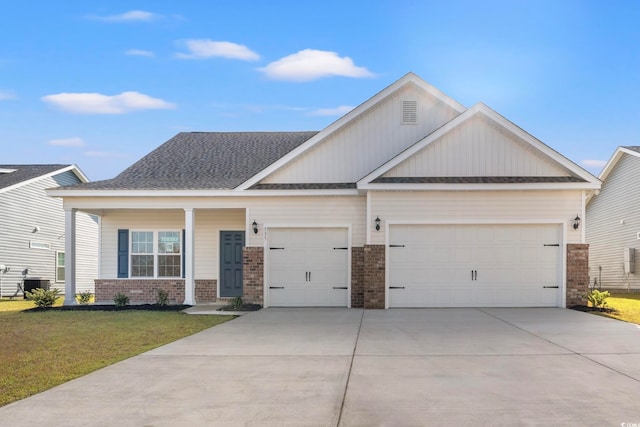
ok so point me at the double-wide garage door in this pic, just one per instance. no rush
(307, 267)
(474, 265)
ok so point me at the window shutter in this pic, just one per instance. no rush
(123, 253)
(184, 252)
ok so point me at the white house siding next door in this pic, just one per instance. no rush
(475, 265)
(307, 267)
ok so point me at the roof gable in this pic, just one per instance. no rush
(365, 137)
(479, 146)
(615, 158)
(13, 176)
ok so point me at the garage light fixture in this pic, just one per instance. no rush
(377, 221)
(255, 227)
(576, 222)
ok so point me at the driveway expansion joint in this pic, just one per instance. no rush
(353, 355)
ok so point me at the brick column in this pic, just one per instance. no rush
(577, 274)
(374, 276)
(253, 275)
(357, 277)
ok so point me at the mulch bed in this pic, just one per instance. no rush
(586, 309)
(111, 307)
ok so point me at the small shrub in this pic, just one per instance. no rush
(121, 300)
(236, 303)
(598, 299)
(43, 298)
(162, 297)
(84, 297)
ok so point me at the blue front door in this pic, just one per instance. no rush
(231, 244)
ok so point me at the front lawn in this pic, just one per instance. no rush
(41, 349)
(625, 306)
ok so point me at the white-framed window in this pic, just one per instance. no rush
(60, 266)
(156, 254)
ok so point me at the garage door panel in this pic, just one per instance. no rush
(474, 265)
(311, 270)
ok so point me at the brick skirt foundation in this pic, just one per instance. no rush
(145, 291)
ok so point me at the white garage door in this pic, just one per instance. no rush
(307, 267)
(475, 265)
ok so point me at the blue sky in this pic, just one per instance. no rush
(101, 83)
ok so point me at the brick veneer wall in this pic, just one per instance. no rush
(139, 291)
(577, 274)
(374, 275)
(253, 275)
(357, 277)
(145, 291)
(206, 290)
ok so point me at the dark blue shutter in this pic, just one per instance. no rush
(184, 252)
(123, 253)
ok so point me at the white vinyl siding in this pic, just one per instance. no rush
(208, 224)
(478, 147)
(368, 141)
(476, 207)
(26, 207)
(612, 224)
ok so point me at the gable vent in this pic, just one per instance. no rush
(409, 112)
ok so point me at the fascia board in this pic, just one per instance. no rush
(481, 187)
(613, 161)
(39, 177)
(350, 116)
(539, 145)
(60, 192)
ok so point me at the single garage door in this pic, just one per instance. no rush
(307, 267)
(475, 265)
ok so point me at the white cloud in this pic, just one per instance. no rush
(130, 16)
(67, 142)
(593, 163)
(338, 111)
(97, 103)
(140, 52)
(311, 64)
(6, 95)
(204, 48)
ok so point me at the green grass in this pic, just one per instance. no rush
(40, 350)
(626, 306)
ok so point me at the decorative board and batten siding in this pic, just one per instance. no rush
(613, 223)
(26, 207)
(475, 207)
(208, 224)
(477, 147)
(369, 140)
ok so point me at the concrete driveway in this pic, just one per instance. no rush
(349, 367)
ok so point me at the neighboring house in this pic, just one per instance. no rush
(32, 229)
(613, 215)
(409, 200)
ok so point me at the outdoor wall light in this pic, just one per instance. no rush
(255, 227)
(576, 222)
(377, 221)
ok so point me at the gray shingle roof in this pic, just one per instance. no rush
(475, 179)
(204, 161)
(25, 172)
(633, 148)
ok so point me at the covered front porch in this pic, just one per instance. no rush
(195, 255)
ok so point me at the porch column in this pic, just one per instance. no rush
(69, 256)
(189, 226)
